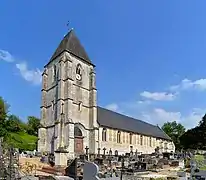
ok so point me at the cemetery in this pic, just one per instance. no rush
(131, 166)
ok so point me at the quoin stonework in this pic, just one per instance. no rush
(71, 120)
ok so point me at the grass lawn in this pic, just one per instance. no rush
(200, 161)
(199, 157)
(22, 141)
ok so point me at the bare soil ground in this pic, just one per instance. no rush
(32, 166)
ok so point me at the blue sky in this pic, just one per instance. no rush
(150, 56)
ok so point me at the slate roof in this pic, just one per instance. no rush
(71, 44)
(115, 120)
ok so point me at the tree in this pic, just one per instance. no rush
(13, 124)
(202, 123)
(33, 125)
(202, 132)
(195, 138)
(191, 139)
(3, 116)
(174, 130)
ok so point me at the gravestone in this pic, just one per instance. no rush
(62, 178)
(104, 150)
(99, 161)
(51, 159)
(116, 153)
(90, 171)
(98, 150)
(82, 157)
(71, 170)
(30, 178)
(110, 152)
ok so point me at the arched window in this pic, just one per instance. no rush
(130, 138)
(104, 134)
(79, 69)
(165, 146)
(154, 142)
(118, 137)
(77, 132)
(141, 140)
(54, 72)
(52, 104)
(161, 145)
(80, 106)
(78, 72)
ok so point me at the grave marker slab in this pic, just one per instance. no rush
(90, 171)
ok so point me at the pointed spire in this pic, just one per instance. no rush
(71, 44)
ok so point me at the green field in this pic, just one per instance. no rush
(22, 141)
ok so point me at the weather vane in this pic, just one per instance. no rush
(68, 24)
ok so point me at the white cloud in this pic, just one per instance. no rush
(6, 56)
(112, 107)
(158, 96)
(186, 84)
(144, 102)
(147, 111)
(33, 76)
(160, 116)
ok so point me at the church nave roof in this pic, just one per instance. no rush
(111, 119)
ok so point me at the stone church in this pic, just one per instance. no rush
(71, 120)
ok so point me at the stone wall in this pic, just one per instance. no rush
(146, 145)
(63, 93)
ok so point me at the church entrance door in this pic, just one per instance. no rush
(78, 145)
(78, 141)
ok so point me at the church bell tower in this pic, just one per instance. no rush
(69, 101)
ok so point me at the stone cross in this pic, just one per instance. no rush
(122, 164)
(104, 149)
(86, 148)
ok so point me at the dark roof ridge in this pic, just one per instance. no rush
(111, 119)
(127, 116)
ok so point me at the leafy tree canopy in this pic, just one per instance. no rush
(195, 138)
(33, 125)
(175, 131)
(16, 132)
(13, 124)
(3, 116)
